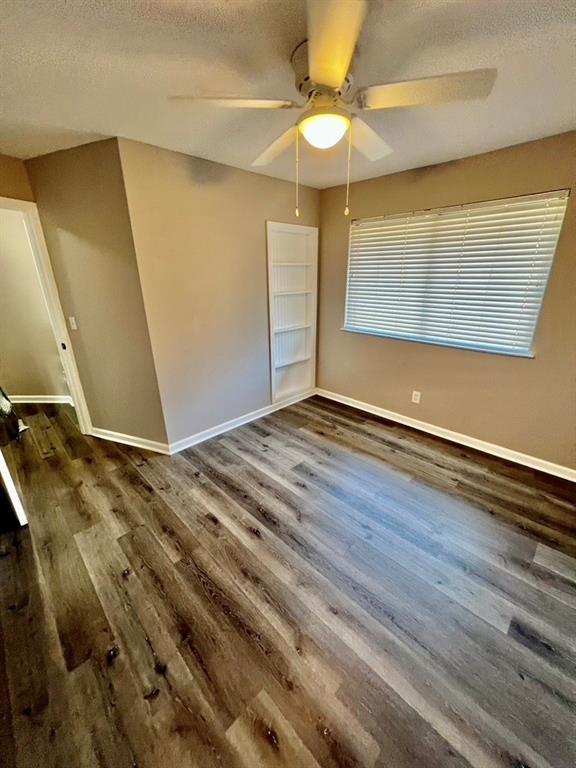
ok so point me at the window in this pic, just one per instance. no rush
(472, 276)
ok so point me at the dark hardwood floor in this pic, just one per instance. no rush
(317, 588)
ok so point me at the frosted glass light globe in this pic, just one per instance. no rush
(325, 129)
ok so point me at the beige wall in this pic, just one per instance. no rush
(82, 205)
(29, 359)
(527, 405)
(200, 234)
(14, 180)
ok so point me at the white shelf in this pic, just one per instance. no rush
(290, 293)
(297, 327)
(291, 263)
(294, 360)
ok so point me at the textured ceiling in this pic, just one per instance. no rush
(76, 70)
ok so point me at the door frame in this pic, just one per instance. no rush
(35, 234)
(312, 232)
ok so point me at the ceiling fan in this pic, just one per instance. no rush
(331, 107)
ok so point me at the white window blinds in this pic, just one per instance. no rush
(472, 276)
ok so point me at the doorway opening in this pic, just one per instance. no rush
(37, 364)
(36, 358)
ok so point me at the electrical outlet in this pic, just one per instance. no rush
(72, 321)
(416, 397)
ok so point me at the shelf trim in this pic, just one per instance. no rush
(287, 328)
(284, 364)
(292, 264)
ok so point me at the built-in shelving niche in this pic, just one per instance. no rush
(292, 279)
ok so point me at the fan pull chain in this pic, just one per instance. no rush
(297, 211)
(347, 208)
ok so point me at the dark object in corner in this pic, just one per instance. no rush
(9, 426)
(8, 520)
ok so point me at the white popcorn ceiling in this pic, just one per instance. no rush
(72, 71)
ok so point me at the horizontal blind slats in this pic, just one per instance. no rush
(457, 243)
(457, 323)
(463, 329)
(470, 276)
(485, 346)
(519, 209)
(463, 334)
(534, 226)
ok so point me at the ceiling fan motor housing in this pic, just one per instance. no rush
(307, 87)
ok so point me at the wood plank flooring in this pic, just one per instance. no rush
(319, 588)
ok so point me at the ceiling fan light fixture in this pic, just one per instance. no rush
(324, 128)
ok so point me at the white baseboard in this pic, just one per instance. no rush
(456, 437)
(64, 399)
(136, 442)
(199, 437)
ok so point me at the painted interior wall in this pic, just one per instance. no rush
(14, 181)
(82, 206)
(526, 405)
(29, 359)
(200, 234)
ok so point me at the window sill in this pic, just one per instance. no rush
(502, 353)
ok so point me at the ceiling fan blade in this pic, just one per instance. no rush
(233, 103)
(333, 30)
(474, 84)
(278, 146)
(367, 141)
